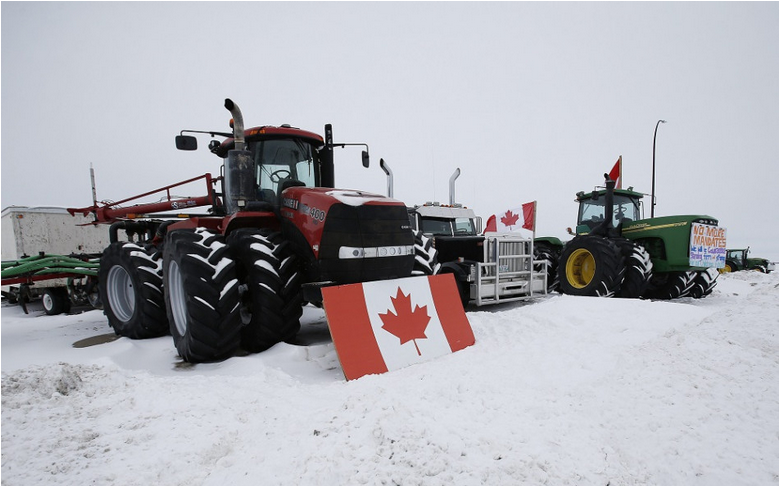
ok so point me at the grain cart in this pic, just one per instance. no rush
(617, 252)
(492, 268)
(275, 233)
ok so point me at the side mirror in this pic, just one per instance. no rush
(366, 159)
(186, 143)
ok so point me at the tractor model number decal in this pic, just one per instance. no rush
(291, 203)
(317, 214)
(177, 205)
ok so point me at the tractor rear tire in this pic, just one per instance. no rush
(270, 288)
(638, 269)
(668, 286)
(202, 296)
(426, 255)
(729, 268)
(591, 266)
(546, 253)
(131, 290)
(704, 282)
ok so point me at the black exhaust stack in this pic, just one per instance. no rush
(239, 179)
(606, 228)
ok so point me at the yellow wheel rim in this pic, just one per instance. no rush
(725, 269)
(580, 268)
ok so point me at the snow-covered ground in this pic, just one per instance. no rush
(564, 390)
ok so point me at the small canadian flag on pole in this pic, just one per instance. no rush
(617, 173)
(513, 219)
(380, 326)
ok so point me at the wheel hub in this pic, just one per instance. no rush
(119, 289)
(580, 268)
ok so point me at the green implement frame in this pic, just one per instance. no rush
(48, 266)
(80, 271)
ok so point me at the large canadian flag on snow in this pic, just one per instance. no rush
(513, 219)
(380, 326)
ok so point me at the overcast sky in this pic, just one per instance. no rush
(533, 101)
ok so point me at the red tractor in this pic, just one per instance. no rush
(274, 235)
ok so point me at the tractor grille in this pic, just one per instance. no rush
(366, 227)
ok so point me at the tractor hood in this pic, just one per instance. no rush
(339, 218)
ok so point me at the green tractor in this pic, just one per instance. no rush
(738, 260)
(616, 252)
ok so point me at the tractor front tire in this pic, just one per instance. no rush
(547, 254)
(202, 296)
(668, 286)
(704, 282)
(131, 290)
(638, 269)
(270, 288)
(426, 255)
(591, 266)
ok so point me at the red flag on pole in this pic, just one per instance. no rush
(529, 213)
(617, 172)
(513, 219)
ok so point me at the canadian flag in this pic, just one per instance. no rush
(380, 326)
(617, 172)
(517, 218)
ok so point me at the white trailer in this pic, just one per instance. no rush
(27, 231)
(33, 231)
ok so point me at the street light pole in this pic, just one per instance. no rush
(655, 135)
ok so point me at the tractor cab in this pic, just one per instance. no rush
(282, 163)
(267, 161)
(626, 207)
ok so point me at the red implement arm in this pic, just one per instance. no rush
(108, 212)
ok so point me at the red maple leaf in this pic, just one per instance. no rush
(509, 219)
(407, 324)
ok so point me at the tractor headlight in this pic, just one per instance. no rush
(347, 252)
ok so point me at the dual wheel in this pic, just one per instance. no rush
(225, 295)
(597, 266)
(214, 295)
(268, 286)
(695, 284)
(219, 296)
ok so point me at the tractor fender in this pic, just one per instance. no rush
(553, 243)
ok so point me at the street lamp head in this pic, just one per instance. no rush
(662, 121)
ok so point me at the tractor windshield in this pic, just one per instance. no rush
(591, 211)
(736, 254)
(281, 159)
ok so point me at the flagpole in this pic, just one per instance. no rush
(532, 249)
(655, 135)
